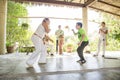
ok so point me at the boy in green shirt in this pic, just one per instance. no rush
(83, 41)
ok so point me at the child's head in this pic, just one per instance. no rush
(46, 21)
(78, 25)
(103, 24)
(59, 27)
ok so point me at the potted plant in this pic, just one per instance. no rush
(10, 47)
(69, 48)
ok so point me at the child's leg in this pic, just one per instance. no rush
(60, 46)
(56, 46)
(36, 54)
(99, 43)
(104, 46)
(80, 50)
(43, 55)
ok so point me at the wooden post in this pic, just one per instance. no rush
(3, 15)
(85, 18)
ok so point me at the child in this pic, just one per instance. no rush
(103, 31)
(46, 40)
(60, 40)
(39, 55)
(83, 41)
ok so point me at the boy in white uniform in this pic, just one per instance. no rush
(103, 31)
(39, 55)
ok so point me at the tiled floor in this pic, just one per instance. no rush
(13, 67)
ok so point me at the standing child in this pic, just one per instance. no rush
(60, 40)
(83, 41)
(103, 31)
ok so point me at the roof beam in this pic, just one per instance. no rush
(47, 17)
(89, 2)
(108, 3)
(53, 18)
(53, 2)
(104, 11)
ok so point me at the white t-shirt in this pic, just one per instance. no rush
(40, 31)
(103, 35)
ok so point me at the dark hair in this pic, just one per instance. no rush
(59, 25)
(103, 22)
(79, 24)
(45, 19)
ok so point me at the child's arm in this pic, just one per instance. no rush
(46, 27)
(49, 39)
(74, 32)
(99, 31)
(105, 32)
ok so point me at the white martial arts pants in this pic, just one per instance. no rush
(103, 42)
(39, 55)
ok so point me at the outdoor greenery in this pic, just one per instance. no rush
(114, 31)
(17, 32)
(70, 41)
(113, 37)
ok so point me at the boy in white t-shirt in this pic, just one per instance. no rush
(103, 31)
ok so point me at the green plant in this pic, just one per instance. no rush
(17, 33)
(25, 25)
(69, 45)
(9, 44)
(113, 24)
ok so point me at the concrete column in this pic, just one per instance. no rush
(85, 18)
(3, 16)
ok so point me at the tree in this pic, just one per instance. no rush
(16, 33)
(113, 23)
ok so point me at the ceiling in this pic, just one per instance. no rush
(108, 6)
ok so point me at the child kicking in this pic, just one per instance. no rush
(83, 41)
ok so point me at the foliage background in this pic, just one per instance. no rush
(15, 32)
(113, 37)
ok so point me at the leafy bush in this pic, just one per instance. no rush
(15, 32)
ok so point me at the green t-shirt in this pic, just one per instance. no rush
(81, 31)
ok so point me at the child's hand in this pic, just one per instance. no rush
(79, 44)
(101, 30)
(52, 41)
(73, 30)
